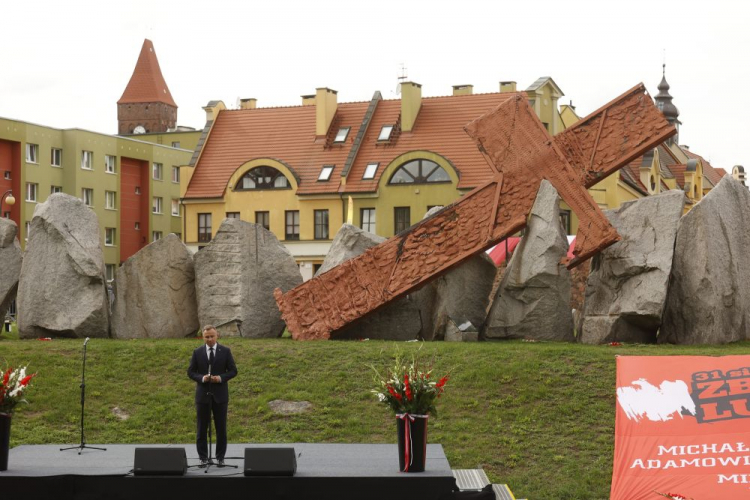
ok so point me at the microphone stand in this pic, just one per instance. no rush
(210, 395)
(83, 444)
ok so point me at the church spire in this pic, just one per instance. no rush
(147, 83)
(664, 101)
(146, 104)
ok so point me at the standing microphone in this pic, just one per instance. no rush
(86, 341)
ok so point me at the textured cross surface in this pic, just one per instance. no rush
(521, 153)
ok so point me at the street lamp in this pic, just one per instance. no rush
(7, 197)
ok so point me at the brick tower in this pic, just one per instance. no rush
(146, 105)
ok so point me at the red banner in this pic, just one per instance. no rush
(682, 427)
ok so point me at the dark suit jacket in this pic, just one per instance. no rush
(223, 366)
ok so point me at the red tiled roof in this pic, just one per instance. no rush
(679, 174)
(714, 175)
(632, 173)
(147, 83)
(439, 129)
(288, 135)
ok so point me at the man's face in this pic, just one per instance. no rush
(210, 337)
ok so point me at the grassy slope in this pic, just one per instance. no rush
(538, 416)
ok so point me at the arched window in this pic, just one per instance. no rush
(419, 172)
(262, 178)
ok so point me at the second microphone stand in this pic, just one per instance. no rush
(83, 444)
(210, 395)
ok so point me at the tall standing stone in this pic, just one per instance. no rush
(456, 298)
(709, 291)
(235, 276)
(627, 286)
(399, 320)
(62, 290)
(533, 300)
(155, 293)
(10, 264)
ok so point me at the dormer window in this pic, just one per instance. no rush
(341, 135)
(325, 173)
(370, 170)
(262, 178)
(419, 172)
(385, 133)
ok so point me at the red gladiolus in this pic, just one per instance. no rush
(442, 382)
(26, 379)
(7, 376)
(394, 393)
(408, 389)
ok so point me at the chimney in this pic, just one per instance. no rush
(212, 109)
(507, 86)
(463, 89)
(411, 101)
(250, 103)
(308, 100)
(325, 108)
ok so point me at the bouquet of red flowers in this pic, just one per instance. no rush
(410, 387)
(12, 386)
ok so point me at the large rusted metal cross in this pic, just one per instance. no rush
(521, 153)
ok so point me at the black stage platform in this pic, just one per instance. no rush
(324, 471)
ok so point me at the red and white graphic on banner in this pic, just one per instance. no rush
(682, 427)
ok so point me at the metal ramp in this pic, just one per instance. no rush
(476, 480)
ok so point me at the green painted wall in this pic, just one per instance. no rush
(73, 178)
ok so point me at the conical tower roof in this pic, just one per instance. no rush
(147, 83)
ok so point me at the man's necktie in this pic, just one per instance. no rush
(211, 356)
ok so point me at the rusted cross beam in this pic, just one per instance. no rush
(521, 153)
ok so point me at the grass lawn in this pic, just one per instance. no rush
(537, 416)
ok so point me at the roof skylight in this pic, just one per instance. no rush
(341, 135)
(370, 171)
(325, 173)
(385, 133)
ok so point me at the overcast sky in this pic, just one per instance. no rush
(65, 64)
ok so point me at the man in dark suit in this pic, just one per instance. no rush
(211, 366)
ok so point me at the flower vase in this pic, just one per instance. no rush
(4, 440)
(412, 442)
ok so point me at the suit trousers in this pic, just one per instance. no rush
(204, 411)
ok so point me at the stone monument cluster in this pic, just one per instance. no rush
(672, 278)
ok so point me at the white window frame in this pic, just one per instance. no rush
(55, 189)
(110, 200)
(157, 171)
(110, 236)
(325, 173)
(56, 162)
(341, 135)
(85, 192)
(32, 191)
(176, 175)
(32, 153)
(157, 205)
(371, 221)
(156, 236)
(87, 160)
(110, 164)
(175, 204)
(385, 133)
(109, 272)
(371, 169)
